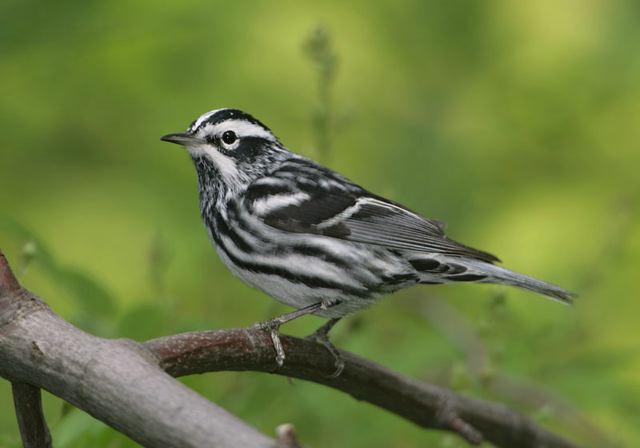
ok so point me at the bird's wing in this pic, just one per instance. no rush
(302, 197)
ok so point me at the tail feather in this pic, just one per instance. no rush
(439, 269)
(497, 274)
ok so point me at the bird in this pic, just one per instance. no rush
(313, 239)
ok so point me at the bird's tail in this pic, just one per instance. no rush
(497, 274)
(458, 269)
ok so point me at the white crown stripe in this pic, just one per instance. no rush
(202, 118)
(242, 128)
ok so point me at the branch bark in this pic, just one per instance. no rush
(27, 401)
(116, 381)
(124, 383)
(426, 405)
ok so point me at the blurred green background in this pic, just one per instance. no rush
(515, 122)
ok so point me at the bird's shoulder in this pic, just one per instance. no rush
(301, 191)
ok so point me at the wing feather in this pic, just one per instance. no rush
(335, 207)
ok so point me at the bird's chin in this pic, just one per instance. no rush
(196, 150)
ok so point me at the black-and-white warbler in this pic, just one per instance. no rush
(311, 238)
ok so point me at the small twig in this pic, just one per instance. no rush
(287, 437)
(448, 418)
(27, 401)
(8, 282)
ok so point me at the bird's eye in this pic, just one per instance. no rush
(229, 137)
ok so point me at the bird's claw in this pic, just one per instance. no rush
(321, 336)
(272, 327)
(277, 345)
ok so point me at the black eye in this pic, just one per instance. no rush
(229, 137)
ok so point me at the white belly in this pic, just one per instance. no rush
(299, 295)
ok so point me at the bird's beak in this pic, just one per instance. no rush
(179, 138)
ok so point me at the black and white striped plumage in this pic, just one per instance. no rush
(305, 234)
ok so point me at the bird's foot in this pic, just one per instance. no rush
(321, 336)
(273, 328)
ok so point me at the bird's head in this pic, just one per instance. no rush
(232, 144)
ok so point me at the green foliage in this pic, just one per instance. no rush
(516, 122)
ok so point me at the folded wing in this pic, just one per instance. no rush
(309, 199)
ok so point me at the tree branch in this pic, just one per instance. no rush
(426, 405)
(27, 401)
(116, 381)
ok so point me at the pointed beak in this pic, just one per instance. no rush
(179, 138)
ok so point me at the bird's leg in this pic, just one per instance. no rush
(273, 325)
(321, 336)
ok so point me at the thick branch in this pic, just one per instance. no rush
(117, 381)
(426, 405)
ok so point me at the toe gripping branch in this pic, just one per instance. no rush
(321, 335)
